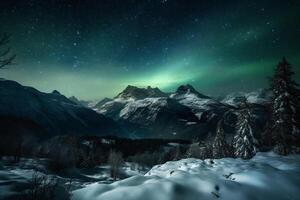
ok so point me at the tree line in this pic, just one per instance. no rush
(281, 134)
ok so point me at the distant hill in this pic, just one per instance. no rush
(27, 110)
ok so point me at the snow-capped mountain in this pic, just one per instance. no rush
(149, 112)
(261, 96)
(141, 112)
(185, 114)
(161, 116)
(113, 107)
(25, 109)
(188, 89)
(140, 93)
(201, 105)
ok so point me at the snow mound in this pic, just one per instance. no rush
(266, 176)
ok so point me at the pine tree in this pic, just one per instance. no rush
(285, 108)
(244, 143)
(221, 148)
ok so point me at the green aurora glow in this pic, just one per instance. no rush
(217, 47)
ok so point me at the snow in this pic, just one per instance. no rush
(154, 104)
(260, 96)
(109, 105)
(15, 177)
(191, 123)
(198, 104)
(193, 101)
(12, 179)
(265, 176)
(124, 107)
(103, 172)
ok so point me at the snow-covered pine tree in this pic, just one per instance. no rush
(221, 148)
(285, 108)
(244, 143)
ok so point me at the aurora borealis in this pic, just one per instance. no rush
(93, 49)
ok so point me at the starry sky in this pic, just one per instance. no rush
(95, 48)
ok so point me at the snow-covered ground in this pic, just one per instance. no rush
(15, 178)
(267, 176)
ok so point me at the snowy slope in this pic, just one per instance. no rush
(101, 102)
(159, 116)
(199, 104)
(153, 105)
(266, 176)
(113, 107)
(148, 112)
(261, 96)
(130, 97)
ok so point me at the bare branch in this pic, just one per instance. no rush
(5, 57)
(7, 61)
(4, 39)
(5, 52)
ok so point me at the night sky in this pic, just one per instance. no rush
(93, 49)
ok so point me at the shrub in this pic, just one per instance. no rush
(115, 161)
(42, 187)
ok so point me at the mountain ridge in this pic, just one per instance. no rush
(141, 107)
(140, 93)
(52, 113)
(135, 112)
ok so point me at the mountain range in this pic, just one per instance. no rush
(134, 113)
(26, 110)
(184, 114)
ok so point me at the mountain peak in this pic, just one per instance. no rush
(140, 93)
(56, 92)
(188, 89)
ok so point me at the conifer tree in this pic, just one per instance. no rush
(244, 143)
(285, 108)
(221, 148)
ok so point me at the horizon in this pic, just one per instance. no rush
(219, 47)
(139, 87)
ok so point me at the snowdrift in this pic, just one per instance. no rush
(266, 176)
